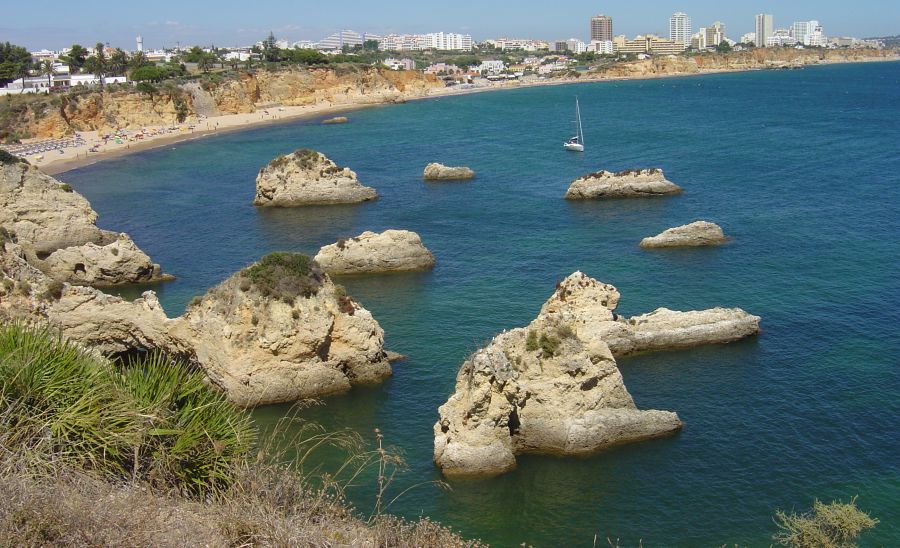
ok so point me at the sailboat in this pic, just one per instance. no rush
(576, 143)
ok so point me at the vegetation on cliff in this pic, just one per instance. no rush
(101, 453)
(285, 276)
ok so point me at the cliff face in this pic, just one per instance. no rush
(332, 86)
(757, 59)
(90, 111)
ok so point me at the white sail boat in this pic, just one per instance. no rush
(576, 143)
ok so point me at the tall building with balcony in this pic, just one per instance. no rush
(601, 28)
(765, 26)
(680, 29)
(715, 34)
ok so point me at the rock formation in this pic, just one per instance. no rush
(57, 230)
(335, 120)
(389, 251)
(554, 387)
(696, 234)
(632, 183)
(440, 172)
(307, 177)
(275, 332)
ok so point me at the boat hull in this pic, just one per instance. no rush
(574, 147)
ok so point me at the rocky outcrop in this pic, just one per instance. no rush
(119, 262)
(307, 177)
(440, 172)
(281, 331)
(554, 387)
(56, 228)
(277, 331)
(696, 234)
(389, 251)
(335, 120)
(632, 183)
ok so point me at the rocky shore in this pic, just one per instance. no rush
(632, 183)
(696, 234)
(554, 386)
(56, 229)
(307, 177)
(440, 172)
(389, 251)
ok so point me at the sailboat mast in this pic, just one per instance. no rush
(578, 115)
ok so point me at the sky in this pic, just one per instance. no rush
(56, 24)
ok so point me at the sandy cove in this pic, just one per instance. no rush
(70, 158)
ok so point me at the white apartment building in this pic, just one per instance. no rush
(434, 40)
(400, 64)
(680, 29)
(491, 67)
(781, 37)
(715, 34)
(765, 25)
(576, 46)
(749, 38)
(602, 47)
(340, 39)
(808, 33)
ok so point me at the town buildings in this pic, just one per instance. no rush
(649, 44)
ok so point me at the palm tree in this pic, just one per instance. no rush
(99, 64)
(47, 69)
(205, 62)
(118, 62)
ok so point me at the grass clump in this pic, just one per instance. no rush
(54, 291)
(285, 276)
(148, 419)
(834, 525)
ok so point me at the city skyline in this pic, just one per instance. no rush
(171, 23)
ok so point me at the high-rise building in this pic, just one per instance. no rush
(765, 26)
(808, 33)
(140, 43)
(715, 34)
(680, 29)
(601, 28)
(340, 39)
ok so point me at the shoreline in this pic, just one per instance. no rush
(78, 157)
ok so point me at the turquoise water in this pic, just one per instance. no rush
(801, 168)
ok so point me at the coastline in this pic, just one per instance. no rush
(77, 157)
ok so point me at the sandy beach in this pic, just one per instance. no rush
(95, 148)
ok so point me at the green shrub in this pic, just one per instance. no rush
(549, 345)
(8, 285)
(531, 342)
(835, 525)
(54, 291)
(195, 301)
(285, 276)
(24, 288)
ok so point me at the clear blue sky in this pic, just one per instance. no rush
(54, 24)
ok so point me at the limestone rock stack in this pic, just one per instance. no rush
(281, 331)
(554, 386)
(307, 177)
(696, 234)
(440, 172)
(388, 251)
(632, 183)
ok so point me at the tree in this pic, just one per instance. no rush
(14, 63)
(138, 60)
(147, 74)
(205, 62)
(193, 55)
(371, 45)
(118, 62)
(47, 70)
(723, 47)
(97, 64)
(270, 49)
(75, 58)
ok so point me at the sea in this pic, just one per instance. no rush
(802, 170)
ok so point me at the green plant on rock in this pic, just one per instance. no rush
(531, 341)
(54, 291)
(285, 276)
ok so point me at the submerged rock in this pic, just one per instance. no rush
(632, 183)
(307, 177)
(57, 230)
(389, 251)
(699, 233)
(336, 120)
(440, 172)
(554, 386)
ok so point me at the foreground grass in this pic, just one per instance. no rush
(144, 453)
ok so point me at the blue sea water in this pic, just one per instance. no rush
(801, 168)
